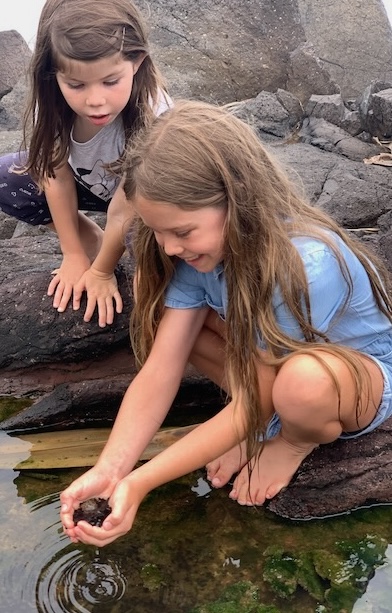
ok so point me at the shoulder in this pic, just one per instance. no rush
(325, 256)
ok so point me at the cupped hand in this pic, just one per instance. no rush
(65, 278)
(102, 292)
(95, 483)
(124, 502)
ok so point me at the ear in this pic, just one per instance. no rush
(137, 63)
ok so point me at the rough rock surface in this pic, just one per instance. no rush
(259, 45)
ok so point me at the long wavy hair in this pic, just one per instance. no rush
(84, 30)
(197, 155)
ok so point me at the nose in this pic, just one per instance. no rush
(172, 246)
(95, 98)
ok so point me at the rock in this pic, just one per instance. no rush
(305, 46)
(365, 104)
(15, 56)
(31, 331)
(308, 75)
(333, 110)
(381, 123)
(12, 106)
(353, 40)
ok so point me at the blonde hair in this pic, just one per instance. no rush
(197, 155)
(83, 30)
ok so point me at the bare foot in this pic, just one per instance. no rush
(220, 471)
(270, 473)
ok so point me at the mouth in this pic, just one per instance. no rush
(193, 260)
(99, 120)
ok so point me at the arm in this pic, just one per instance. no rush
(100, 281)
(142, 410)
(210, 440)
(61, 196)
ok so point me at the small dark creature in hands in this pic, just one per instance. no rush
(94, 511)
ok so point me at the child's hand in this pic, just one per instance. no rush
(65, 278)
(102, 291)
(94, 483)
(124, 502)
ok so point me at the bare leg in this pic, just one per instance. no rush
(306, 400)
(208, 356)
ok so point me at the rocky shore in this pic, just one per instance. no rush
(328, 126)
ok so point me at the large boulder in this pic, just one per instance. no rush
(15, 55)
(226, 51)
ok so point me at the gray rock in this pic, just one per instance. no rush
(353, 40)
(12, 106)
(32, 332)
(382, 114)
(15, 56)
(333, 109)
(308, 75)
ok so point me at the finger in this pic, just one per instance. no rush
(53, 285)
(77, 296)
(102, 312)
(109, 310)
(65, 298)
(90, 308)
(118, 302)
(91, 535)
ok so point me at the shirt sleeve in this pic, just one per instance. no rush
(328, 289)
(185, 290)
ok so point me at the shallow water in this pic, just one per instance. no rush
(187, 545)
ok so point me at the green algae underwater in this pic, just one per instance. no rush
(194, 550)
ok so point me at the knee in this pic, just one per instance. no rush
(302, 383)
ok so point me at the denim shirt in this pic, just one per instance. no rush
(361, 325)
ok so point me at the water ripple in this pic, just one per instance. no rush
(75, 584)
(42, 572)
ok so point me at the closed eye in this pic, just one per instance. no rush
(75, 85)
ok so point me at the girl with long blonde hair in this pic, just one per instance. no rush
(263, 293)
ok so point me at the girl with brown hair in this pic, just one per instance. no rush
(93, 86)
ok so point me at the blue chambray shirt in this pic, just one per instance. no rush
(361, 326)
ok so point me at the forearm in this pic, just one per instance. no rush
(62, 200)
(141, 413)
(204, 444)
(119, 217)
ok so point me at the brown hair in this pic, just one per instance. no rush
(197, 155)
(84, 30)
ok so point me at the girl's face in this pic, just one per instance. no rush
(197, 236)
(97, 91)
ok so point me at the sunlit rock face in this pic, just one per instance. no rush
(231, 50)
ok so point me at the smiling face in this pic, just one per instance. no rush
(97, 91)
(195, 236)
